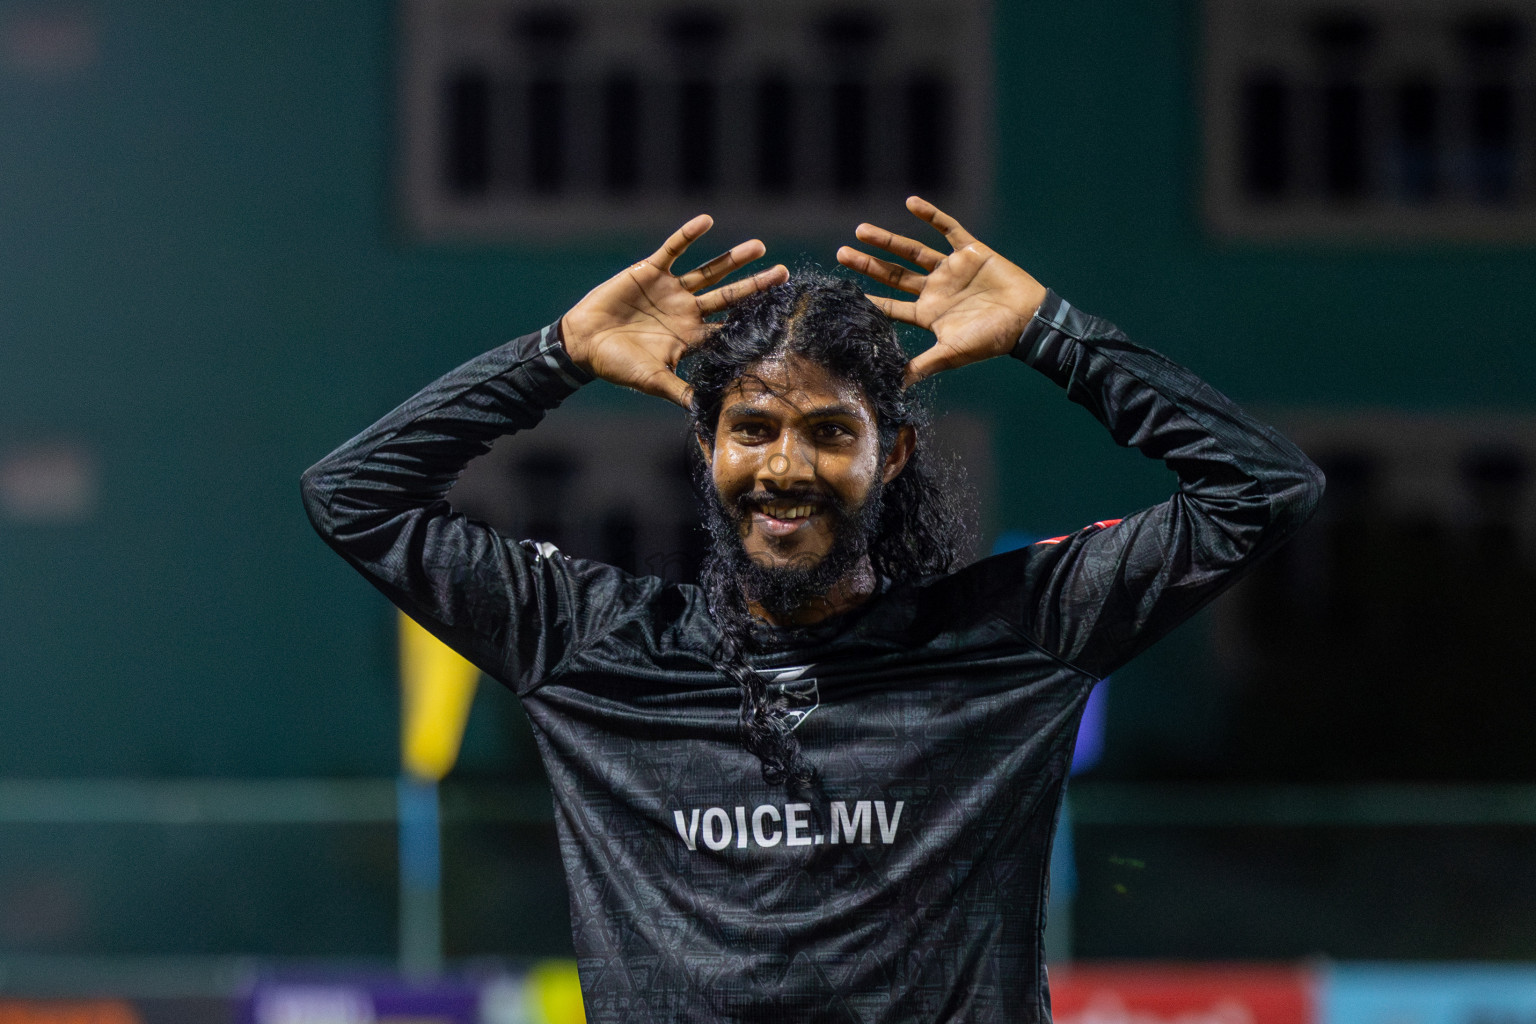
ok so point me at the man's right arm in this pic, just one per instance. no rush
(515, 610)
(380, 501)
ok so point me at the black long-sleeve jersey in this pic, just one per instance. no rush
(910, 883)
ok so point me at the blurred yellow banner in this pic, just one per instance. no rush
(554, 990)
(437, 687)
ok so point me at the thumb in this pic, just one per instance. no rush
(927, 363)
(665, 384)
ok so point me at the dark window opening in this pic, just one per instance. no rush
(1492, 117)
(696, 37)
(621, 133)
(850, 38)
(929, 109)
(467, 169)
(1344, 127)
(546, 134)
(547, 35)
(1343, 41)
(696, 139)
(775, 112)
(1417, 155)
(1491, 42)
(850, 129)
(1266, 119)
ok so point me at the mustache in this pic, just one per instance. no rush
(797, 496)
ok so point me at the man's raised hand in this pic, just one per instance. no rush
(974, 301)
(633, 328)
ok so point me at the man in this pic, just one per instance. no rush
(822, 785)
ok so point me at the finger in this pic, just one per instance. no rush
(953, 233)
(899, 245)
(728, 295)
(679, 241)
(881, 270)
(904, 312)
(665, 384)
(722, 266)
(926, 364)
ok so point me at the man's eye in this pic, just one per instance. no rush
(750, 431)
(832, 432)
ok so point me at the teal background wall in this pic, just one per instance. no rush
(203, 280)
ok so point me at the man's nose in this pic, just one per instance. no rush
(788, 461)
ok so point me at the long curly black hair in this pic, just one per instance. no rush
(921, 527)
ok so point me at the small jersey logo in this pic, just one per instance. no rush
(793, 694)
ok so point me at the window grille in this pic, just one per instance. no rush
(527, 120)
(1391, 639)
(1375, 118)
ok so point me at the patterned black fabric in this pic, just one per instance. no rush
(910, 884)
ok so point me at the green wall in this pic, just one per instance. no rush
(202, 280)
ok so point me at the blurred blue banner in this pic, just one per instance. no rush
(1402, 994)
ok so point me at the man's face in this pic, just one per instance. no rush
(796, 457)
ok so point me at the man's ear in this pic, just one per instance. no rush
(901, 451)
(705, 449)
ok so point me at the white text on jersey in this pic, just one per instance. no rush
(768, 825)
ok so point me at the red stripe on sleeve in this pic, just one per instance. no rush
(1102, 524)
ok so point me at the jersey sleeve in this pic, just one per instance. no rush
(517, 610)
(1100, 596)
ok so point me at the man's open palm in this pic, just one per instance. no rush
(974, 301)
(633, 328)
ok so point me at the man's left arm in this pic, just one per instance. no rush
(1100, 596)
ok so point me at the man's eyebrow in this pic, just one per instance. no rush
(829, 411)
(744, 410)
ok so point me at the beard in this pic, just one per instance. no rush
(782, 590)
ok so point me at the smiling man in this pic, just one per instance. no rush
(795, 459)
(822, 783)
